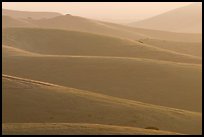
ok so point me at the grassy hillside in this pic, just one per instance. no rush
(76, 129)
(61, 42)
(28, 101)
(191, 48)
(176, 85)
(64, 74)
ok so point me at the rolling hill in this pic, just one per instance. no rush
(64, 74)
(39, 102)
(70, 22)
(190, 48)
(62, 42)
(160, 35)
(27, 14)
(76, 129)
(11, 51)
(102, 64)
(120, 77)
(187, 19)
(8, 21)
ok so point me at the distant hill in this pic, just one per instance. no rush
(8, 21)
(70, 22)
(186, 19)
(28, 14)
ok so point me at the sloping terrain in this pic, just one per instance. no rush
(69, 22)
(191, 48)
(186, 19)
(28, 101)
(28, 14)
(63, 74)
(120, 77)
(7, 21)
(158, 34)
(11, 51)
(104, 65)
(76, 129)
(61, 42)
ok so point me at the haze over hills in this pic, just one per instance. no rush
(65, 74)
(76, 23)
(161, 35)
(8, 21)
(186, 19)
(28, 14)
(87, 25)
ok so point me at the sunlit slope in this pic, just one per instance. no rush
(12, 51)
(191, 48)
(162, 83)
(28, 101)
(76, 129)
(59, 42)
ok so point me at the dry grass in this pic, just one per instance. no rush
(76, 129)
(28, 101)
(59, 42)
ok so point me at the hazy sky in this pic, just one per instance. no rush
(110, 11)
